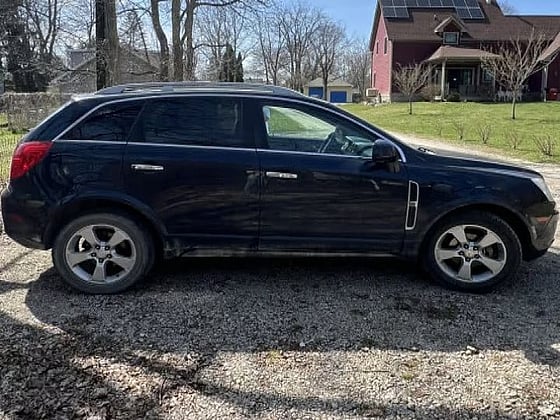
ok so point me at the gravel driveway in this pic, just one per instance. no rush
(282, 339)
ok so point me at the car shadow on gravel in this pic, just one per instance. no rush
(203, 307)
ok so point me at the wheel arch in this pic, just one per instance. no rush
(513, 219)
(91, 205)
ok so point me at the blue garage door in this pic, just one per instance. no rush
(338, 97)
(316, 92)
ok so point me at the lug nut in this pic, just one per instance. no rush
(107, 248)
(109, 256)
(97, 247)
(100, 260)
(93, 254)
(466, 246)
(461, 253)
(467, 259)
(475, 248)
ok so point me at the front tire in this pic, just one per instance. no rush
(103, 253)
(473, 252)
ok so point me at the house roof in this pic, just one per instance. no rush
(153, 62)
(448, 52)
(318, 82)
(446, 22)
(422, 22)
(552, 50)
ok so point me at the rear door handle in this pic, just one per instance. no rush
(146, 167)
(281, 175)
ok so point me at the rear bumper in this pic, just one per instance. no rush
(24, 219)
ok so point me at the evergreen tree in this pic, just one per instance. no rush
(227, 71)
(239, 69)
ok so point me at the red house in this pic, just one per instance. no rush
(452, 35)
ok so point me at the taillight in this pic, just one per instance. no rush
(28, 155)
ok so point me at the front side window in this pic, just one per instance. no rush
(194, 121)
(302, 129)
(110, 123)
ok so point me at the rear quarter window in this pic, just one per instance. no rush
(59, 121)
(112, 123)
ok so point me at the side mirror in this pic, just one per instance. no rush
(384, 152)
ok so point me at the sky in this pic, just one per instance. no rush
(357, 15)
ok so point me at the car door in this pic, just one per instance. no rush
(191, 160)
(321, 190)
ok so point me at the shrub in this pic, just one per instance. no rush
(454, 97)
(460, 128)
(514, 139)
(545, 144)
(429, 92)
(484, 133)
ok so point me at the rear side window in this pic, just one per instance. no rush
(195, 121)
(112, 122)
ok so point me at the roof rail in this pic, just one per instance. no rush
(161, 87)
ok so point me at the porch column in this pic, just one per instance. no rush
(544, 83)
(443, 65)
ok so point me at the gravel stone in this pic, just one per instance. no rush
(279, 339)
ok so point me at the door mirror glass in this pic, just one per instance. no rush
(384, 152)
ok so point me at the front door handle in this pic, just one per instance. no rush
(146, 167)
(281, 175)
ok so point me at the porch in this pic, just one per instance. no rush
(459, 74)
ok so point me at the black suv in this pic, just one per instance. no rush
(116, 179)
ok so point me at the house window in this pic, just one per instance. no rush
(374, 78)
(377, 47)
(385, 43)
(451, 38)
(487, 77)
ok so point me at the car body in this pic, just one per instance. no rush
(236, 169)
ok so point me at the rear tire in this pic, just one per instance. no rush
(103, 253)
(472, 252)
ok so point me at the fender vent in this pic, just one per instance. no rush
(412, 208)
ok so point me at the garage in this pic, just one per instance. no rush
(338, 97)
(316, 92)
(338, 90)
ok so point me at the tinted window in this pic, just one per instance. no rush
(109, 123)
(302, 129)
(195, 122)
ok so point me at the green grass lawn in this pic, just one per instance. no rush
(440, 121)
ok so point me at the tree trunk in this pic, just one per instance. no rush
(100, 47)
(177, 45)
(325, 88)
(162, 40)
(188, 37)
(112, 43)
(513, 105)
(410, 105)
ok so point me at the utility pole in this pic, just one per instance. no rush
(107, 43)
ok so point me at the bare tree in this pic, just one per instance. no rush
(299, 23)
(327, 43)
(183, 14)
(410, 79)
(271, 46)
(356, 64)
(162, 40)
(217, 27)
(516, 61)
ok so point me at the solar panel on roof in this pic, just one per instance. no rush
(459, 3)
(411, 3)
(399, 3)
(472, 3)
(387, 3)
(447, 3)
(389, 12)
(402, 12)
(477, 13)
(463, 13)
(435, 3)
